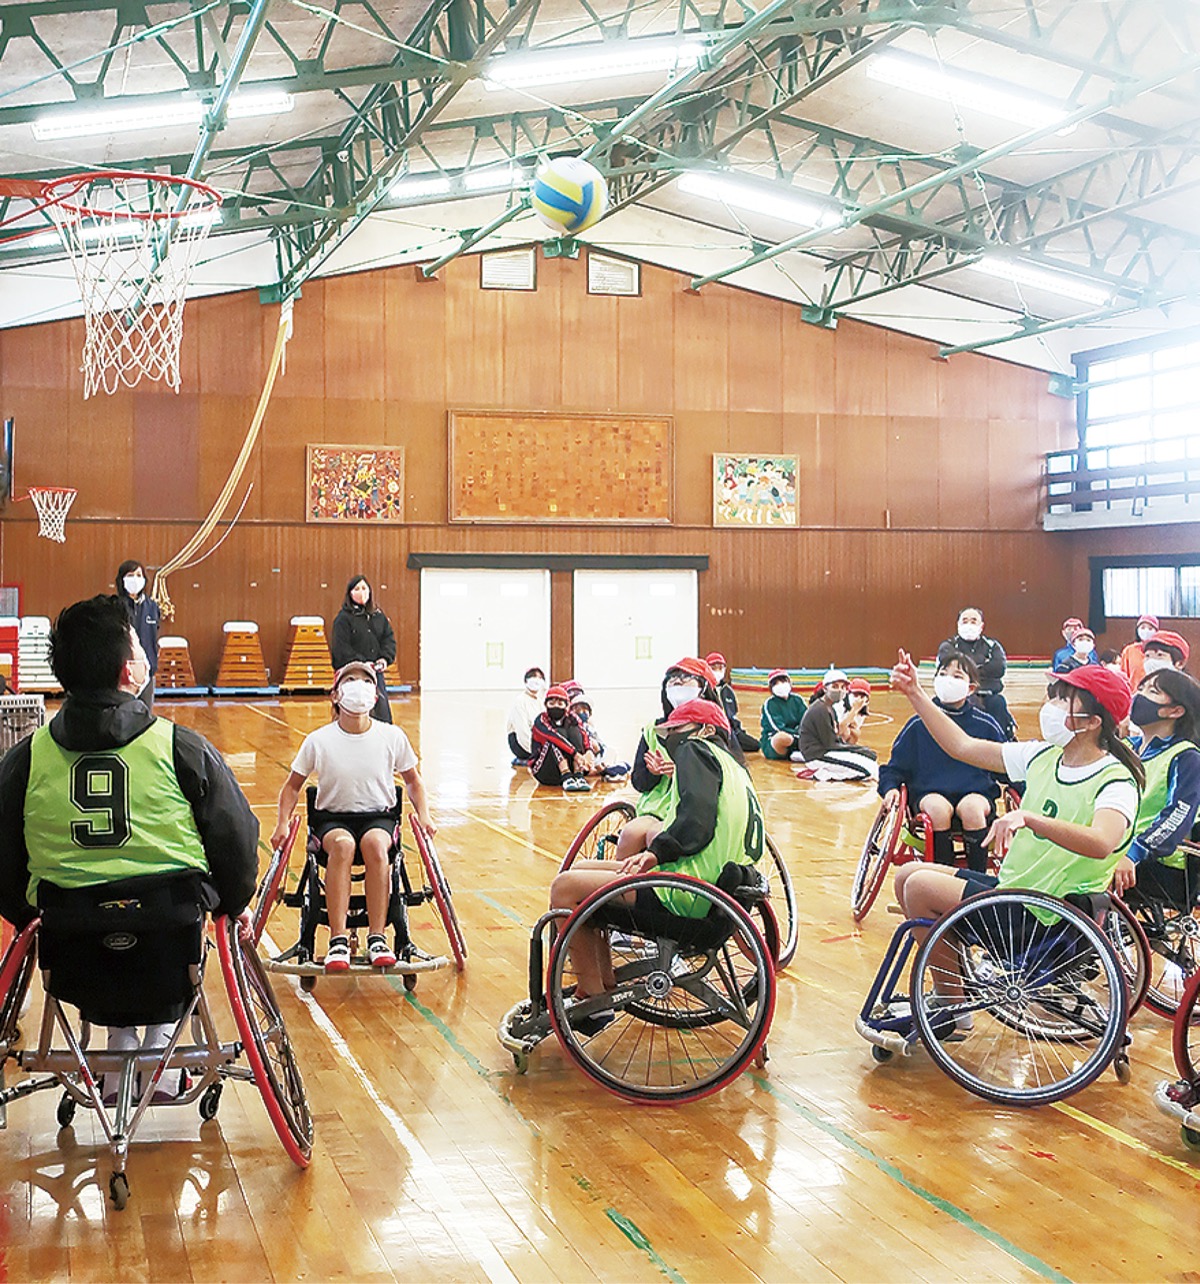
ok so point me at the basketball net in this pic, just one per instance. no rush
(133, 240)
(52, 504)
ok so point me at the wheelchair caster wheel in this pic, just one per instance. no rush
(308, 984)
(211, 1101)
(1121, 1068)
(410, 981)
(65, 1114)
(118, 1190)
(1191, 1137)
(882, 1055)
(521, 1063)
(762, 1057)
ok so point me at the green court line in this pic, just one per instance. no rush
(502, 909)
(632, 1232)
(964, 1218)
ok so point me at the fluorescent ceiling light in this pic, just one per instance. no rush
(591, 62)
(416, 189)
(83, 123)
(760, 197)
(493, 178)
(946, 84)
(420, 187)
(127, 229)
(1042, 278)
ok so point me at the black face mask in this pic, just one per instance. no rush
(556, 715)
(1143, 712)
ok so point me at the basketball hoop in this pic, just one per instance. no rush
(133, 240)
(52, 504)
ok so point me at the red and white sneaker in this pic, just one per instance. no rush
(378, 953)
(338, 957)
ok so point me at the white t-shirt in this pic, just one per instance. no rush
(520, 719)
(355, 773)
(1119, 795)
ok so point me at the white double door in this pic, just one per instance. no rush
(629, 625)
(480, 630)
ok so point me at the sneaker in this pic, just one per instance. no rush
(616, 771)
(378, 953)
(796, 756)
(520, 762)
(576, 785)
(949, 1028)
(338, 957)
(806, 773)
(592, 1024)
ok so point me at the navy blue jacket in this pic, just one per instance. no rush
(1174, 823)
(1067, 653)
(924, 767)
(144, 616)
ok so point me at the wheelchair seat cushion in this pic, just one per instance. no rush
(648, 916)
(124, 952)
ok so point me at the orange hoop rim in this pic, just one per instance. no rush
(50, 490)
(73, 184)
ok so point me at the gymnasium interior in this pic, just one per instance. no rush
(864, 312)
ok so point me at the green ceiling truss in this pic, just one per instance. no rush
(916, 218)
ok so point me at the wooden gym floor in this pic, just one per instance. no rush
(434, 1160)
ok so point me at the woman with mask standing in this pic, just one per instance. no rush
(362, 632)
(1133, 657)
(143, 616)
(989, 658)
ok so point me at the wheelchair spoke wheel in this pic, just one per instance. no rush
(597, 840)
(271, 887)
(1047, 1002)
(265, 1039)
(1174, 940)
(783, 902)
(16, 970)
(877, 855)
(1127, 938)
(1187, 1032)
(441, 893)
(685, 1019)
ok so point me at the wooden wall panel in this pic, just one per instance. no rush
(861, 370)
(101, 460)
(962, 480)
(590, 370)
(913, 459)
(229, 330)
(166, 438)
(911, 371)
(808, 365)
(860, 468)
(303, 374)
(415, 337)
(646, 345)
(1013, 470)
(354, 346)
(755, 354)
(701, 350)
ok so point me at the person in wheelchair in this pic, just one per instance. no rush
(356, 759)
(713, 819)
(106, 793)
(1082, 785)
(939, 785)
(1166, 711)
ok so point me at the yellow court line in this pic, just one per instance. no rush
(1115, 1134)
(510, 834)
(262, 713)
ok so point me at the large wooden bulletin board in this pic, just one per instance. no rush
(535, 467)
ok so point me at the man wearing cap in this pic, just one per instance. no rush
(1063, 654)
(715, 820)
(560, 747)
(356, 759)
(1083, 651)
(1132, 660)
(1164, 649)
(827, 754)
(782, 714)
(729, 701)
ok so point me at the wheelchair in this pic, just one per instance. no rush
(1173, 931)
(302, 959)
(1047, 996)
(1181, 1100)
(597, 840)
(897, 837)
(693, 996)
(133, 953)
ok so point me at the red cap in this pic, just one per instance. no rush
(697, 668)
(1067, 623)
(558, 693)
(776, 674)
(860, 684)
(1164, 637)
(702, 712)
(1110, 688)
(571, 687)
(1147, 619)
(713, 658)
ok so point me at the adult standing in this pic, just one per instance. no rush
(362, 632)
(1133, 657)
(143, 616)
(989, 658)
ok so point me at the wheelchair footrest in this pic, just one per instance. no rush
(520, 1030)
(890, 1040)
(1165, 1100)
(417, 962)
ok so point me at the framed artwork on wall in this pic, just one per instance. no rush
(756, 490)
(355, 484)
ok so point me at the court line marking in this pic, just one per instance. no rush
(1125, 1139)
(262, 713)
(960, 1215)
(503, 909)
(510, 834)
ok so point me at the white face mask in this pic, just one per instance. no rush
(1146, 632)
(951, 689)
(677, 695)
(1052, 719)
(970, 632)
(719, 674)
(535, 686)
(782, 690)
(1156, 662)
(357, 696)
(1084, 646)
(134, 584)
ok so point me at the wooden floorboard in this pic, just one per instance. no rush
(435, 1160)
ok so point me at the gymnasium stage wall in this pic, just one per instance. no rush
(918, 478)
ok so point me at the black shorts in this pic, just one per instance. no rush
(356, 823)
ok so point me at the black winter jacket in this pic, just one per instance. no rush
(359, 636)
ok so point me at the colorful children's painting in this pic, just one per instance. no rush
(355, 484)
(755, 490)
